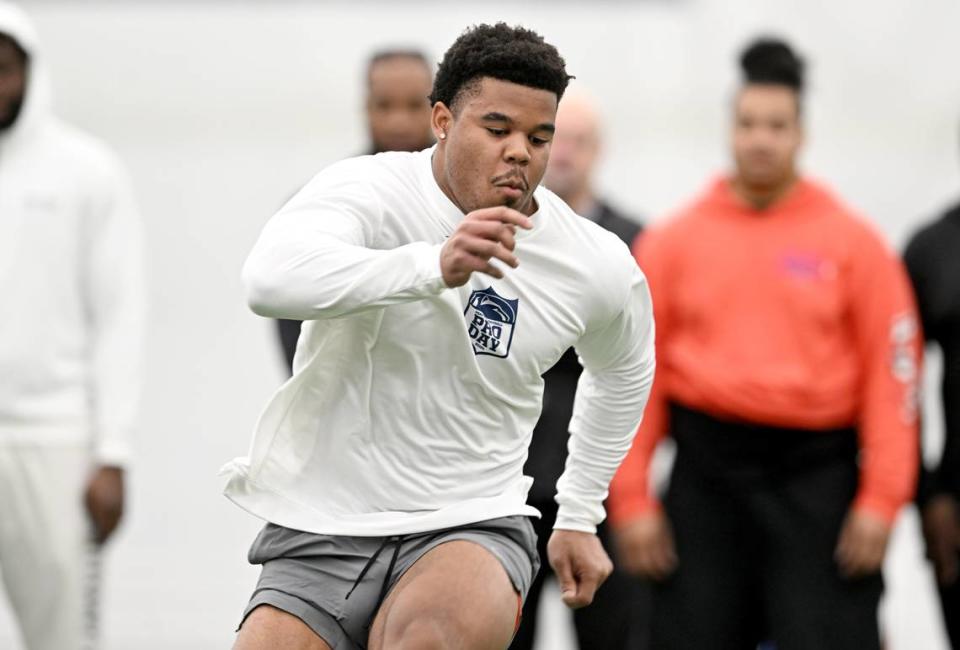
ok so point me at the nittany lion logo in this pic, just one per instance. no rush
(490, 321)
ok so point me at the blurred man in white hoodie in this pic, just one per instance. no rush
(71, 318)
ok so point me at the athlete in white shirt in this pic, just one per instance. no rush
(436, 289)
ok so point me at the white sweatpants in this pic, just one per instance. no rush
(48, 562)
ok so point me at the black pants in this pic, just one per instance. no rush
(950, 603)
(618, 618)
(756, 514)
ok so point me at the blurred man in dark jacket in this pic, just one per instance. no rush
(616, 619)
(933, 261)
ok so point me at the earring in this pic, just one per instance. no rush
(443, 135)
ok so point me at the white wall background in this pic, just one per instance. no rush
(221, 109)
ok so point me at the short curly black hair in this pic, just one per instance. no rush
(513, 54)
(772, 61)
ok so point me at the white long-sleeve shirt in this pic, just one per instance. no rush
(71, 281)
(412, 404)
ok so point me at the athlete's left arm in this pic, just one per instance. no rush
(889, 342)
(618, 360)
(114, 297)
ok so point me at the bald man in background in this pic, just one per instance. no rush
(617, 619)
(574, 156)
(398, 119)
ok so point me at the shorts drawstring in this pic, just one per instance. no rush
(396, 540)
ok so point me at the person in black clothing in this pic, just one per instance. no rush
(933, 261)
(398, 119)
(615, 619)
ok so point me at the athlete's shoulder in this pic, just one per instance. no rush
(606, 251)
(374, 169)
(363, 165)
(582, 233)
(603, 258)
(367, 170)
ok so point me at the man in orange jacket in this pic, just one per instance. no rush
(788, 355)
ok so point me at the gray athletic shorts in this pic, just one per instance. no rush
(335, 584)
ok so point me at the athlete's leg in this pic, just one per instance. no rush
(526, 634)
(268, 628)
(456, 597)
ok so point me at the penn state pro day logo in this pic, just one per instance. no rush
(490, 321)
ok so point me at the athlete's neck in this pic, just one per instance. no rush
(761, 197)
(436, 167)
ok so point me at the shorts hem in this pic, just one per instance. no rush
(321, 622)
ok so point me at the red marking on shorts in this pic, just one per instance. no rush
(516, 625)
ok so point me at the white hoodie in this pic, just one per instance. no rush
(71, 281)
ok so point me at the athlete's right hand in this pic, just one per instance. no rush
(482, 236)
(581, 565)
(645, 546)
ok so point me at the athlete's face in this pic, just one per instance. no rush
(575, 148)
(398, 111)
(495, 144)
(767, 135)
(13, 82)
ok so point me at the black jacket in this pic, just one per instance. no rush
(933, 261)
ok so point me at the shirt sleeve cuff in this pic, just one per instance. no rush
(428, 268)
(566, 521)
(886, 509)
(623, 511)
(112, 454)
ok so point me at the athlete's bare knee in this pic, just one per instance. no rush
(436, 633)
(425, 633)
(269, 628)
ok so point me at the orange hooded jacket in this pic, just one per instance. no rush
(794, 316)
